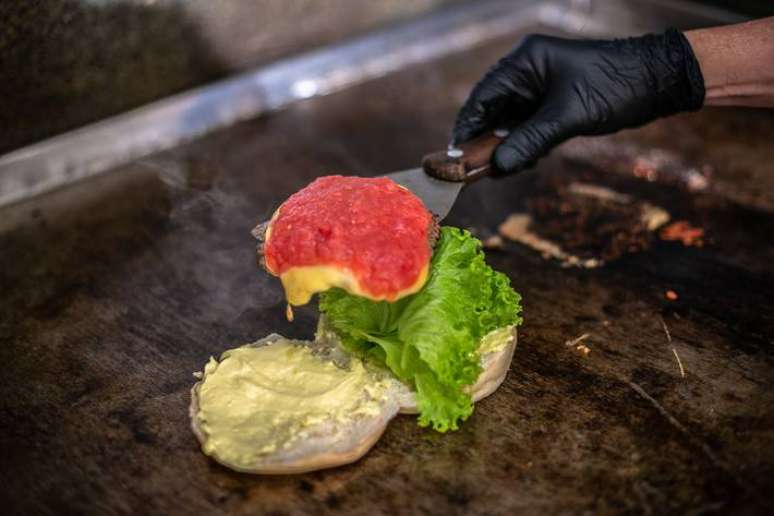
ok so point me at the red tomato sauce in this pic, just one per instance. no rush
(371, 226)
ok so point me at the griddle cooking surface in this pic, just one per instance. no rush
(114, 291)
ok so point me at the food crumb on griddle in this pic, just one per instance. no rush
(577, 344)
(684, 232)
(494, 242)
(583, 349)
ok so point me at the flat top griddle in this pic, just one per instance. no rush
(115, 290)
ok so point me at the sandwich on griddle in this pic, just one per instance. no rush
(412, 320)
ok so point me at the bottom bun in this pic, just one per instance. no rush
(329, 444)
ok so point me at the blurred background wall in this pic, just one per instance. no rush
(66, 63)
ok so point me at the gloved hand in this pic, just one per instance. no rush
(550, 89)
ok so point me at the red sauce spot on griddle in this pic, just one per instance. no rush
(371, 226)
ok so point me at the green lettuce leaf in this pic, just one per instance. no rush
(430, 339)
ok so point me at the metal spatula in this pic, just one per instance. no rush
(443, 174)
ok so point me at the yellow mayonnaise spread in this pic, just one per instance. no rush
(496, 340)
(258, 400)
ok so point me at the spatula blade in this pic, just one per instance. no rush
(438, 195)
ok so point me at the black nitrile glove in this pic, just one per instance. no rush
(550, 89)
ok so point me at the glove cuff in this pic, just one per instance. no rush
(676, 73)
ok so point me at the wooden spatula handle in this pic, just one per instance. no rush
(467, 162)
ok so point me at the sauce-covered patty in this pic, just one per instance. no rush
(369, 236)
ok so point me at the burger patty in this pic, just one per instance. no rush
(259, 232)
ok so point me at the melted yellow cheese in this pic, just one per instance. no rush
(258, 400)
(301, 283)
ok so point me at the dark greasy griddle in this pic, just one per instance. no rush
(114, 291)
